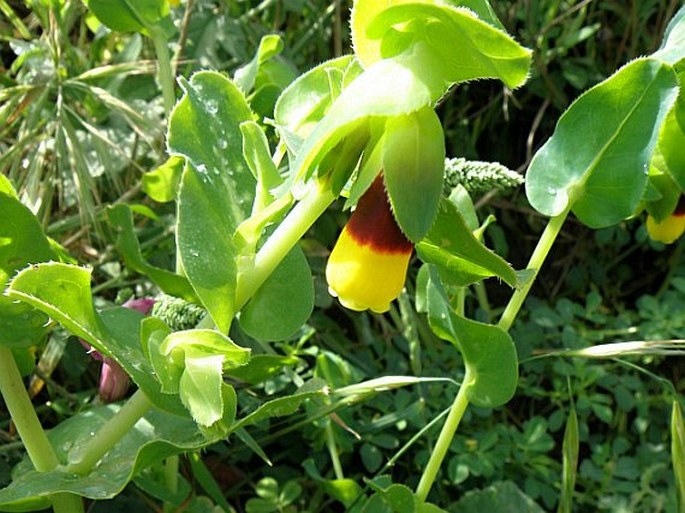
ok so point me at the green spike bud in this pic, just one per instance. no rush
(479, 177)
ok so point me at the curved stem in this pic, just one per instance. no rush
(315, 201)
(461, 402)
(536, 260)
(28, 426)
(447, 433)
(110, 433)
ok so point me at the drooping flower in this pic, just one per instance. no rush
(671, 228)
(114, 381)
(368, 265)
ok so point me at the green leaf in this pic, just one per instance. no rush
(161, 184)
(400, 498)
(488, 351)
(206, 480)
(22, 242)
(254, 446)
(270, 46)
(461, 258)
(483, 9)
(283, 405)
(662, 193)
(130, 15)
(343, 490)
(678, 452)
(396, 498)
(371, 457)
(262, 367)
(272, 78)
(672, 49)
(63, 292)
(596, 161)
(152, 484)
(200, 385)
(570, 463)
(668, 155)
(464, 46)
(121, 219)
(500, 496)
(217, 188)
(156, 436)
(413, 167)
(6, 187)
(283, 303)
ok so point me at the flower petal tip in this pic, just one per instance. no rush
(668, 230)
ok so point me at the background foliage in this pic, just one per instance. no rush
(81, 121)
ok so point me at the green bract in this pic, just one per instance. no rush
(461, 258)
(488, 351)
(409, 59)
(413, 166)
(191, 364)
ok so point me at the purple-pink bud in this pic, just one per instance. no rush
(114, 381)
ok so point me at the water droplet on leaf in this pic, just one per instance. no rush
(212, 106)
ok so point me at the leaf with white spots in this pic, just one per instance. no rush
(217, 187)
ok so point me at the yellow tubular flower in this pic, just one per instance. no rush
(670, 229)
(368, 265)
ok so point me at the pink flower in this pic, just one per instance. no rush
(114, 381)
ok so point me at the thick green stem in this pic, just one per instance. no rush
(171, 479)
(315, 201)
(164, 73)
(447, 433)
(110, 433)
(28, 426)
(536, 260)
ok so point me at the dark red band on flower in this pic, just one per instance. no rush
(680, 208)
(372, 223)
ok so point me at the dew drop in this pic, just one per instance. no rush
(223, 144)
(551, 190)
(212, 106)
(202, 169)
